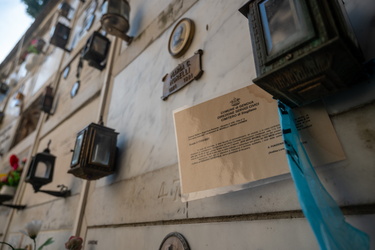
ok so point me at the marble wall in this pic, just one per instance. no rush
(140, 203)
(146, 183)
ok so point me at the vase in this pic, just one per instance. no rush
(7, 193)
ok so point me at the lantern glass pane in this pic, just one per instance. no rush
(43, 170)
(77, 149)
(99, 45)
(62, 32)
(101, 149)
(284, 24)
(120, 7)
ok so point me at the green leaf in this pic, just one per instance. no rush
(48, 242)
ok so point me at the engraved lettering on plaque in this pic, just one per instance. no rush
(183, 74)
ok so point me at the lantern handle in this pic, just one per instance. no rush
(47, 148)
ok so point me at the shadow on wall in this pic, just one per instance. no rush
(136, 22)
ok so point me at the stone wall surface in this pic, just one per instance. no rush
(138, 205)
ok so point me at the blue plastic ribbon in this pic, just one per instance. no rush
(321, 211)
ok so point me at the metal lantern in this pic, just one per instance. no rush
(60, 35)
(94, 152)
(65, 9)
(96, 50)
(1, 118)
(4, 88)
(303, 49)
(41, 171)
(115, 18)
(47, 100)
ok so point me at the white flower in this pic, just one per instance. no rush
(32, 228)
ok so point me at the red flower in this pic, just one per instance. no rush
(13, 160)
(74, 243)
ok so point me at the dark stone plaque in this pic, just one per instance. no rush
(183, 74)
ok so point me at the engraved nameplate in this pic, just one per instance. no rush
(183, 74)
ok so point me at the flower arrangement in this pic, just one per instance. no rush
(32, 230)
(36, 46)
(12, 178)
(74, 243)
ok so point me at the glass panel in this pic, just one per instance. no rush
(119, 7)
(77, 149)
(101, 149)
(283, 23)
(99, 45)
(43, 170)
(63, 32)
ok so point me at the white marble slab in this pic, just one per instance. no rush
(144, 121)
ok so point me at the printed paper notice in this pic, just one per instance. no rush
(236, 139)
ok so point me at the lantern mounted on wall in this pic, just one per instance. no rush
(47, 100)
(94, 152)
(41, 171)
(115, 18)
(65, 10)
(96, 50)
(4, 88)
(60, 35)
(303, 49)
(1, 120)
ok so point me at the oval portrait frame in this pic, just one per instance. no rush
(181, 37)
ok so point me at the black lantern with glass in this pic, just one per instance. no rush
(94, 152)
(115, 18)
(1, 118)
(303, 49)
(4, 88)
(65, 10)
(96, 50)
(41, 171)
(47, 100)
(60, 36)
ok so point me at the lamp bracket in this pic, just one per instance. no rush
(128, 39)
(18, 207)
(64, 191)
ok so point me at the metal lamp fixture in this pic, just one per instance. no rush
(40, 173)
(5, 197)
(4, 88)
(115, 18)
(1, 117)
(96, 50)
(303, 49)
(65, 9)
(60, 35)
(94, 152)
(47, 100)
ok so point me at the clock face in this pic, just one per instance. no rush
(174, 241)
